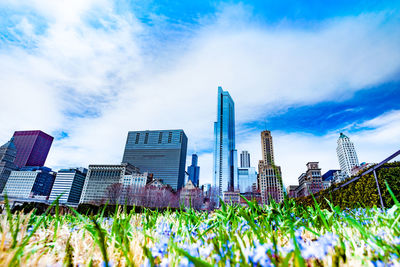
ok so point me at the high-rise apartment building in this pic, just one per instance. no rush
(99, 181)
(8, 153)
(69, 184)
(162, 153)
(194, 171)
(30, 182)
(225, 154)
(270, 175)
(244, 159)
(32, 148)
(347, 155)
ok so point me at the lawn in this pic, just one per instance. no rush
(273, 235)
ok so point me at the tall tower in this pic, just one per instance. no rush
(270, 175)
(225, 154)
(194, 171)
(8, 153)
(244, 159)
(32, 147)
(347, 155)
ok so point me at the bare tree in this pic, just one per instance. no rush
(114, 193)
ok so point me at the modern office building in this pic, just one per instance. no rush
(194, 171)
(32, 148)
(225, 154)
(30, 182)
(346, 153)
(311, 181)
(100, 178)
(247, 179)
(270, 175)
(69, 184)
(162, 153)
(244, 159)
(8, 153)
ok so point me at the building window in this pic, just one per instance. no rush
(137, 138)
(160, 137)
(169, 137)
(180, 137)
(146, 138)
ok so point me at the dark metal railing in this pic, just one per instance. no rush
(373, 170)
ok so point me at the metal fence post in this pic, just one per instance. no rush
(379, 190)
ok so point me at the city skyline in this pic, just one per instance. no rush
(118, 67)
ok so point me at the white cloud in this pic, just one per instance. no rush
(107, 71)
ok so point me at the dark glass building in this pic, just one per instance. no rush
(162, 153)
(194, 171)
(225, 154)
(69, 184)
(7, 157)
(32, 148)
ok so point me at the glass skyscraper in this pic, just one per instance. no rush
(194, 171)
(162, 153)
(225, 154)
(32, 148)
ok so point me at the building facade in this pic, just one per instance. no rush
(225, 154)
(269, 175)
(68, 185)
(194, 171)
(311, 181)
(162, 153)
(347, 155)
(8, 153)
(100, 179)
(30, 182)
(292, 191)
(247, 179)
(32, 148)
(244, 159)
(136, 181)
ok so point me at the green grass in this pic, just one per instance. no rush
(283, 234)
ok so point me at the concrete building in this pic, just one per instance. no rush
(231, 197)
(225, 154)
(136, 181)
(269, 175)
(346, 154)
(311, 181)
(162, 153)
(100, 178)
(247, 179)
(292, 191)
(194, 171)
(244, 159)
(69, 185)
(30, 182)
(32, 148)
(8, 153)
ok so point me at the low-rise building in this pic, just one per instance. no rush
(30, 182)
(231, 197)
(291, 191)
(101, 179)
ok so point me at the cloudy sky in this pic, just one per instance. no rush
(88, 71)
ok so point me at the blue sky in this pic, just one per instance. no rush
(89, 71)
